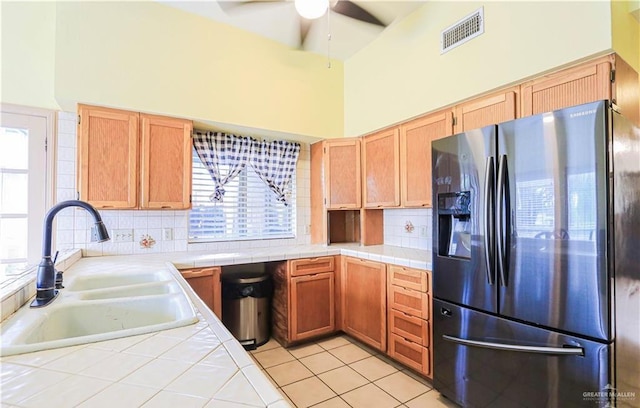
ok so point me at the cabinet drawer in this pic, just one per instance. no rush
(409, 353)
(198, 272)
(310, 266)
(409, 301)
(410, 327)
(409, 278)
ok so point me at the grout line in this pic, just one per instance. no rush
(397, 366)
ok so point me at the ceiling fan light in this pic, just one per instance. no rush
(311, 9)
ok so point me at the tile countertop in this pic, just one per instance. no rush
(199, 365)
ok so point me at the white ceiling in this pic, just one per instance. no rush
(279, 21)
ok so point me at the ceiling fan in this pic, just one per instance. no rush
(312, 10)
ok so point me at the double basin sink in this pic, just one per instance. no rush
(97, 307)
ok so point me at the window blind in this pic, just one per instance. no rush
(249, 209)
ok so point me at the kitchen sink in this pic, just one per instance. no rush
(140, 289)
(103, 281)
(128, 304)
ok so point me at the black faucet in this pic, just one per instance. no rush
(46, 278)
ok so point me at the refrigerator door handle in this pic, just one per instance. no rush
(566, 351)
(489, 219)
(500, 215)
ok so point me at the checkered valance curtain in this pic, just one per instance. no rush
(274, 162)
(217, 149)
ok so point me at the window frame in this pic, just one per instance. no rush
(50, 117)
(291, 234)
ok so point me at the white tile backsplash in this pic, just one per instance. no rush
(396, 233)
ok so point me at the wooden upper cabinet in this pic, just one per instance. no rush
(627, 90)
(108, 157)
(381, 169)
(132, 160)
(488, 110)
(583, 84)
(165, 163)
(342, 173)
(415, 156)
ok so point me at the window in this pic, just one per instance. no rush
(23, 189)
(249, 209)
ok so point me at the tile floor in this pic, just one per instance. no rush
(341, 372)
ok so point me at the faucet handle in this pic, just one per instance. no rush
(55, 257)
(59, 280)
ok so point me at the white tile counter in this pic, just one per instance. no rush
(200, 365)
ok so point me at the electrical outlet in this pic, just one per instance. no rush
(167, 234)
(307, 229)
(423, 231)
(122, 235)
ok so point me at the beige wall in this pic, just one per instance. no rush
(402, 74)
(625, 31)
(148, 57)
(28, 54)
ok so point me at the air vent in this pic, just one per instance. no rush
(469, 27)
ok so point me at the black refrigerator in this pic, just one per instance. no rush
(536, 261)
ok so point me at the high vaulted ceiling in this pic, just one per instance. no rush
(279, 21)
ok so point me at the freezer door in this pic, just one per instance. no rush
(463, 177)
(552, 220)
(486, 361)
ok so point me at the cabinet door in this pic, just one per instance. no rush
(342, 174)
(364, 301)
(488, 110)
(108, 157)
(381, 169)
(415, 156)
(575, 86)
(166, 163)
(206, 283)
(312, 306)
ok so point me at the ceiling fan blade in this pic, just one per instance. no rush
(305, 26)
(351, 9)
(227, 5)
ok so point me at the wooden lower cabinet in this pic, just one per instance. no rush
(303, 305)
(409, 302)
(206, 283)
(410, 327)
(312, 306)
(364, 311)
(410, 354)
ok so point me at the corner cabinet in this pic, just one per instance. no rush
(133, 160)
(342, 174)
(364, 306)
(335, 187)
